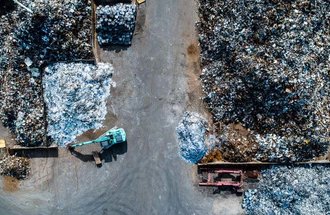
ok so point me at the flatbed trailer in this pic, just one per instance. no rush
(256, 163)
(249, 172)
(253, 165)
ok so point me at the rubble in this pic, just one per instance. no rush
(238, 144)
(56, 31)
(287, 149)
(75, 95)
(18, 167)
(290, 190)
(191, 135)
(115, 24)
(213, 155)
(265, 66)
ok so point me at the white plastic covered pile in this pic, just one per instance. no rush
(75, 95)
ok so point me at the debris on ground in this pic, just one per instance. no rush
(191, 134)
(75, 95)
(275, 148)
(56, 31)
(17, 167)
(212, 156)
(265, 66)
(115, 24)
(290, 190)
(238, 144)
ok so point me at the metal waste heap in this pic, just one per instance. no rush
(294, 190)
(191, 134)
(56, 30)
(115, 24)
(266, 67)
(76, 96)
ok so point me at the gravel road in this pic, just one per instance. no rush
(146, 176)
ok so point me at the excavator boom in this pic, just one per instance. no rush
(106, 140)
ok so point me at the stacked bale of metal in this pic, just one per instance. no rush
(115, 24)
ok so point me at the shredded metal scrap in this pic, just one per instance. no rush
(266, 66)
(57, 30)
(75, 95)
(115, 24)
(191, 134)
(18, 167)
(286, 191)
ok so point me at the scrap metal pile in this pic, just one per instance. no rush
(191, 134)
(57, 30)
(75, 95)
(283, 190)
(266, 67)
(115, 24)
(18, 167)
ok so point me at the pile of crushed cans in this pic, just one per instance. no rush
(266, 66)
(33, 36)
(115, 24)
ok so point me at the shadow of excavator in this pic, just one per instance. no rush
(108, 155)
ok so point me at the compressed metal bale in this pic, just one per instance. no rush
(115, 24)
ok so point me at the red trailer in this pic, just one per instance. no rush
(224, 178)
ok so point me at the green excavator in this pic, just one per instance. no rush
(106, 140)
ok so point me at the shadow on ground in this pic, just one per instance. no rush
(36, 153)
(108, 155)
(115, 48)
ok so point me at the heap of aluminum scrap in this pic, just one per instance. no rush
(57, 30)
(75, 95)
(295, 190)
(266, 66)
(115, 24)
(18, 167)
(191, 135)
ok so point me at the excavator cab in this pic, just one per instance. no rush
(114, 136)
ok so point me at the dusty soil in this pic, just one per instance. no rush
(10, 184)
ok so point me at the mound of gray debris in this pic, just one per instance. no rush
(18, 167)
(265, 66)
(283, 190)
(75, 95)
(115, 24)
(191, 134)
(57, 30)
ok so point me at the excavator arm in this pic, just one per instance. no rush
(98, 140)
(106, 140)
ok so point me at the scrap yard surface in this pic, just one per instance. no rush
(148, 177)
(216, 107)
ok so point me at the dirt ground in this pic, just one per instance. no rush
(156, 81)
